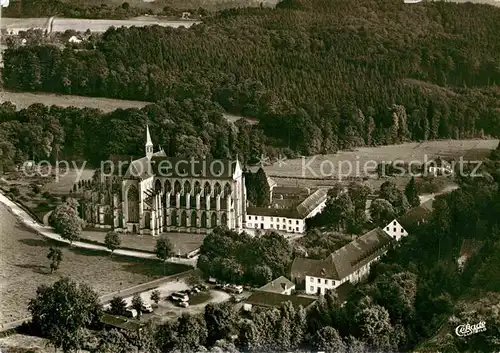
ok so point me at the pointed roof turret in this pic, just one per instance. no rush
(148, 136)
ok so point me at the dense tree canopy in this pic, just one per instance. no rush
(326, 76)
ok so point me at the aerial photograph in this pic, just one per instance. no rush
(249, 176)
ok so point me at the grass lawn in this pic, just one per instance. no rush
(24, 267)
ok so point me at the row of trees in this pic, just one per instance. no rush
(187, 128)
(339, 78)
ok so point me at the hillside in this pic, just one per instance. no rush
(319, 75)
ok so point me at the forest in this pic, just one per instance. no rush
(318, 75)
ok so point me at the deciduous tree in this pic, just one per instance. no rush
(55, 255)
(112, 241)
(62, 311)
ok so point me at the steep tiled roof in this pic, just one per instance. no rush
(418, 214)
(309, 204)
(278, 285)
(140, 168)
(299, 212)
(301, 266)
(186, 168)
(345, 260)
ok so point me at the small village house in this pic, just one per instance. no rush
(280, 285)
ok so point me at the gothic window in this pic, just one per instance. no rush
(223, 220)
(158, 186)
(207, 189)
(197, 188)
(177, 187)
(217, 189)
(173, 218)
(187, 187)
(133, 204)
(183, 219)
(213, 220)
(204, 220)
(168, 186)
(193, 219)
(227, 190)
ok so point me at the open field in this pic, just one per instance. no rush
(361, 163)
(24, 267)
(23, 100)
(61, 24)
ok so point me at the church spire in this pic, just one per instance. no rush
(149, 144)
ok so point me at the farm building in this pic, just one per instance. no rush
(438, 166)
(351, 263)
(280, 285)
(290, 207)
(395, 230)
(417, 215)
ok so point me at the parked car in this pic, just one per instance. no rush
(130, 313)
(234, 289)
(147, 308)
(212, 280)
(180, 297)
(196, 290)
(183, 304)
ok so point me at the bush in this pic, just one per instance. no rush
(46, 194)
(15, 191)
(31, 194)
(37, 189)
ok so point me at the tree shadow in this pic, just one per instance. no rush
(36, 268)
(34, 242)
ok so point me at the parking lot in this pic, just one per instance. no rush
(167, 309)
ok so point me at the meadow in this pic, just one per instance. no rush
(23, 100)
(24, 267)
(362, 162)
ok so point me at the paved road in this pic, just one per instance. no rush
(47, 232)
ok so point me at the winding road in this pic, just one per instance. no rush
(48, 232)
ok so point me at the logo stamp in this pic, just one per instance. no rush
(467, 329)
